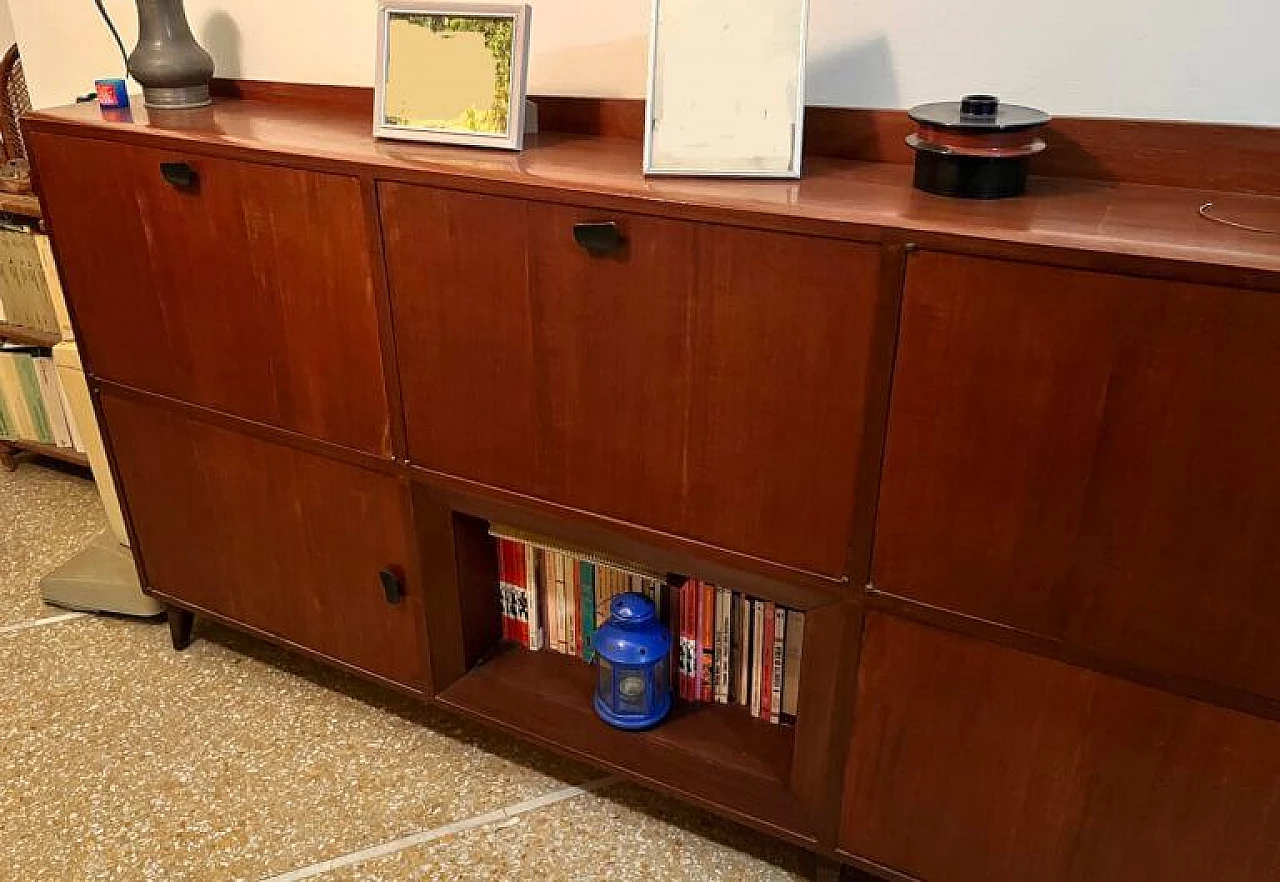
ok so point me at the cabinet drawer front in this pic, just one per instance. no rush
(280, 540)
(702, 380)
(1092, 458)
(976, 763)
(249, 291)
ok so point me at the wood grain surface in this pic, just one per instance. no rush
(283, 541)
(975, 763)
(1092, 458)
(681, 384)
(1084, 219)
(251, 292)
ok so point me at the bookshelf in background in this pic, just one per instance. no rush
(35, 417)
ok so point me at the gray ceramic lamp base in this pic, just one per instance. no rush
(178, 98)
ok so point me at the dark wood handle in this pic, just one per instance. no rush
(598, 238)
(392, 587)
(179, 174)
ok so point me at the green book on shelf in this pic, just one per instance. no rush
(34, 400)
(6, 423)
(587, 579)
(19, 418)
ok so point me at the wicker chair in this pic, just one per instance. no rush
(14, 102)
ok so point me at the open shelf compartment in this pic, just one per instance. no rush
(717, 755)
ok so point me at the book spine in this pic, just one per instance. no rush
(53, 285)
(735, 648)
(724, 630)
(793, 656)
(765, 671)
(521, 593)
(681, 646)
(6, 421)
(573, 603)
(587, 584)
(689, 637)
(506, 590)
(757, 636)
(707, 620)
(779, 640)
(77, 440)
(47, 376)
(19, 419)
(31, 394)
(533, 598)
(562, 614)
(744, 651)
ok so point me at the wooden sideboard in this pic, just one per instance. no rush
(1019, 462)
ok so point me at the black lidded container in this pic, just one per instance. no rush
(976, 148)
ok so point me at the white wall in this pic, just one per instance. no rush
(1171, 59)
(6, 28)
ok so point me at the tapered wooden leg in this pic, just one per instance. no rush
(826, 870)
(180, 623)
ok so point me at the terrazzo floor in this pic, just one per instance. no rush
(123, 760)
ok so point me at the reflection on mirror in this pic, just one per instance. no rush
(452, 73)
(726, 88)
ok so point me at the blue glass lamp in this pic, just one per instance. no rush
(633, 661)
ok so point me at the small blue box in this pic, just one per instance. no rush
(112, 93)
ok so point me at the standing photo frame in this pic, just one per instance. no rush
(451, 73)
(726, 88)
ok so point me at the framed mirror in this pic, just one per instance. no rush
(452, 73)
(726, 88)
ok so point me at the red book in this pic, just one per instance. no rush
(506, 596)
(524, 594)
(687, 641)
(707, 625)
(765, 673)
(694, 590)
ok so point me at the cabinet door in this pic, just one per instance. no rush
(976, 763)
(249, 291)
(706, 381)
(280, 540)
(1090, 457)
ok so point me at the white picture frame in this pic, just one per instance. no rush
(443, 69)
(725, 93)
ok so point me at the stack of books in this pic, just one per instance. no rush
(32, 404)
(736, 649)
(555, 599)
(727, 648)
(27, 271)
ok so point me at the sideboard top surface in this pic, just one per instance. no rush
(835, 196)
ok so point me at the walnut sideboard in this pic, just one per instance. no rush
(1018, 461)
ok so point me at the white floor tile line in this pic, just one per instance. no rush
(397, 845)
(40, 623)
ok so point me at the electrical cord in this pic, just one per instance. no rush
(111, 26)
(1206, 212)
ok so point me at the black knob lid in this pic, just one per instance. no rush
(392, 587)
(979, 106)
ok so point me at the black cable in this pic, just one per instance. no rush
(102, 10)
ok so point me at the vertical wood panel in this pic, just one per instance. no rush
(251, 293)
(975, 763)
(706, 381)
(284, 541)
(1092, 458)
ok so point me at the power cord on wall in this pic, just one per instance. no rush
(124, 56)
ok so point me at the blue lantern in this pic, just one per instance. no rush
(633, 660)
